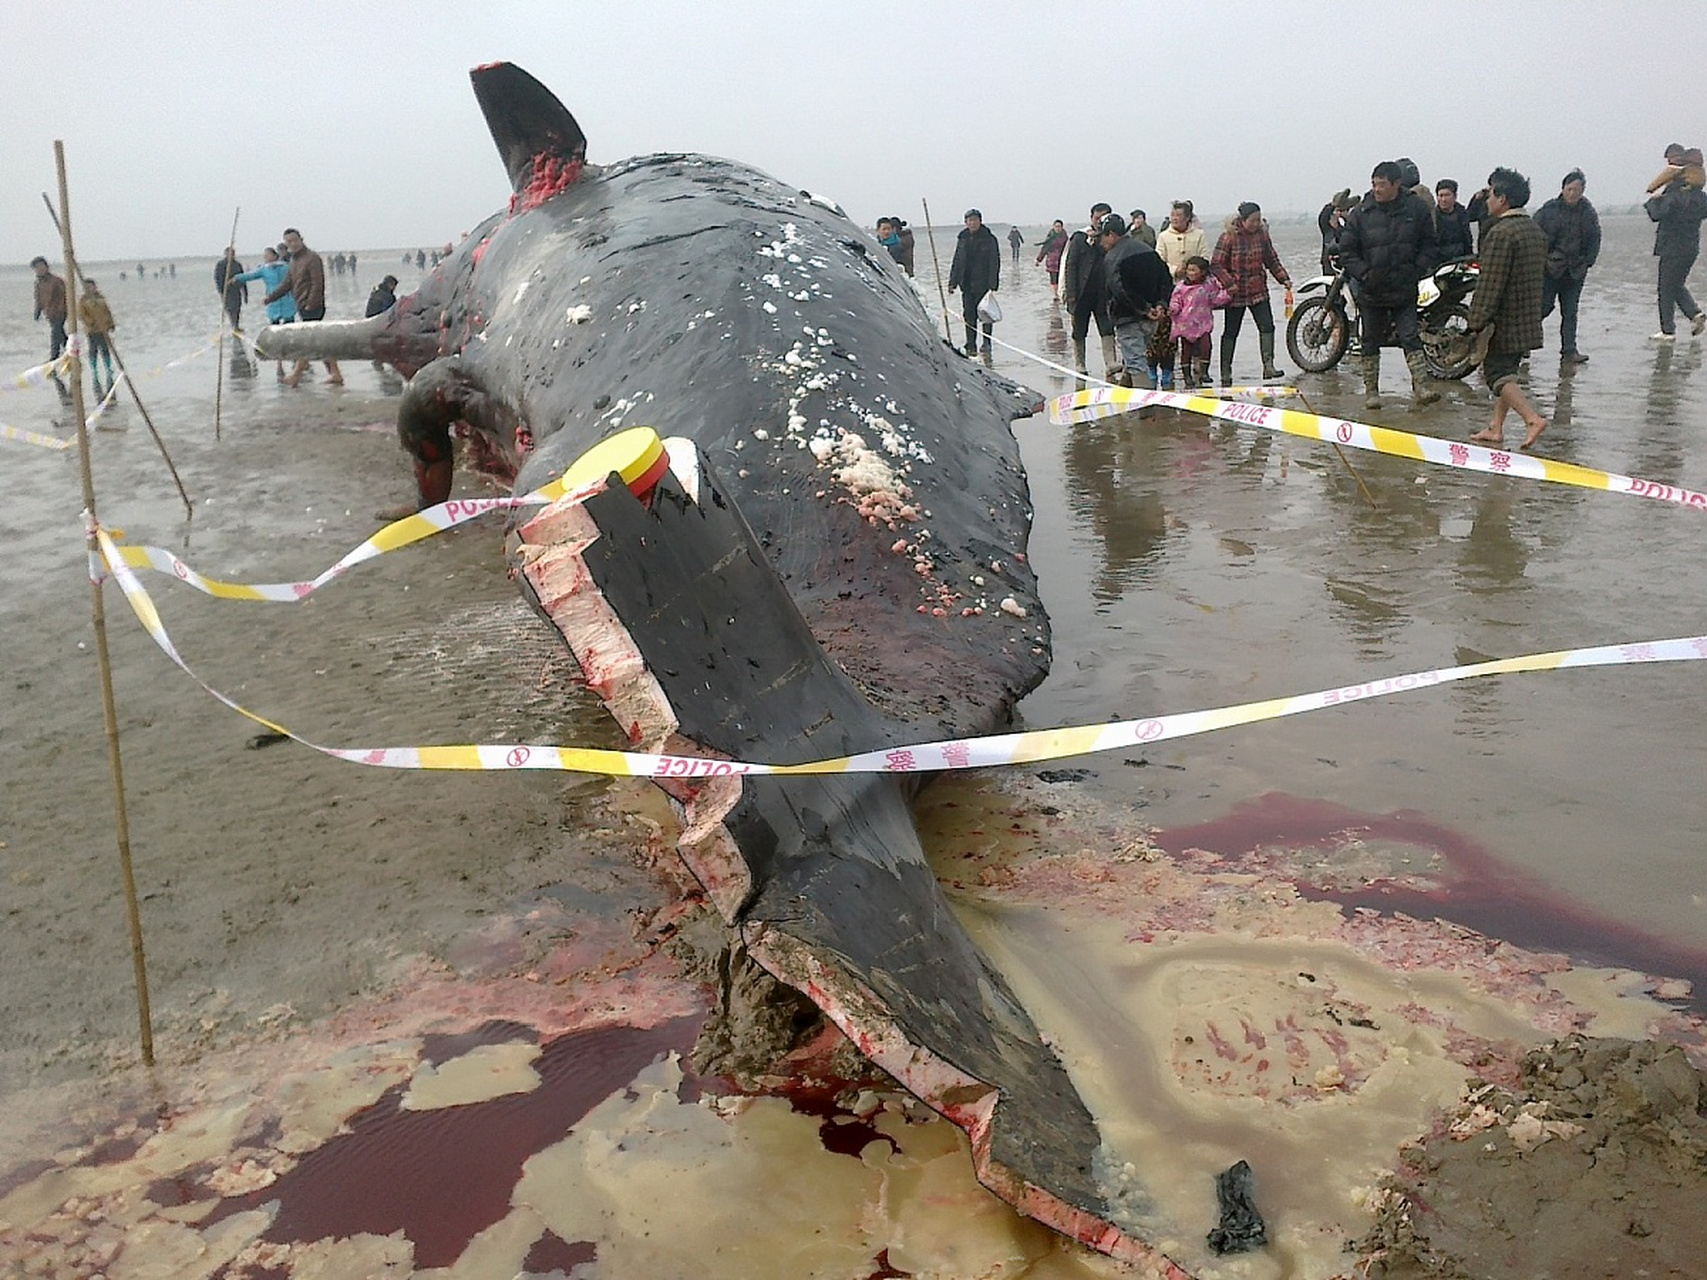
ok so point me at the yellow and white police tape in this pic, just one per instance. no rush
(184, 359)
(1102, 402)
(927, 757)
(400, 533)
(1083, 376)
(20, 436)
(637, 455)
(39, 375)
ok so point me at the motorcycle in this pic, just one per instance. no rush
(1325, 325)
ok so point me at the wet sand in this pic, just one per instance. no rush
(313, 927)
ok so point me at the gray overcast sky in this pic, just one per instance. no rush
(355, 120)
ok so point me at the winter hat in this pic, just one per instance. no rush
(1113, 225)
(1248, 208)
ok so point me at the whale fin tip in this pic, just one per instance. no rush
(527, 122)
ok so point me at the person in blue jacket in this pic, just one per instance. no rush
(271, 273)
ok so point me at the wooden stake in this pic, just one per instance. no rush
(224, 294)
(108, 709)
(130, 385)
(930, 231)
(113, 346)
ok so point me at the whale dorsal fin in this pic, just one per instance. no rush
(528, 123)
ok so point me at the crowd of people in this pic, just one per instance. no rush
(291, 275)
(1152, 293)
(294, 278)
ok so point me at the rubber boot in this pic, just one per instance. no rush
(1265, 344)
(1372, 380)
(1202, 367)
(1110, 357)
(1079, 355)
(1421, 392)
(1226, 367)
(1187, 375)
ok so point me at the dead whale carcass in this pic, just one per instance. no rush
(835, 562)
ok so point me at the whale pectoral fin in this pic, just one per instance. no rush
(537, 137)
(445, 392)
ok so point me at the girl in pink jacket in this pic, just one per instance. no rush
(1192, 309)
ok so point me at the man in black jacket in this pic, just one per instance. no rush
(1136, 285)
(383, 297)
(1573, 244)
(1388, 245)
(1081, 288)
(977, 270)
(232, 292)
(1451, 223)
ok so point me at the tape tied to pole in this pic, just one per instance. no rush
(42, 374)
(39, 375)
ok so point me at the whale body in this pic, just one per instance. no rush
(835, 562)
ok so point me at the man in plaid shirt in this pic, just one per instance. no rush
(1508, 296)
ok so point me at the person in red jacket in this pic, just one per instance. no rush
(1244, 258)
(1050, 255)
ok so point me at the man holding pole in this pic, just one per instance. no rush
(975, 271)
(50, 302)
(227, 279)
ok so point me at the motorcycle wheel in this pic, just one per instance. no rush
(1317, 335)
(1450, 348)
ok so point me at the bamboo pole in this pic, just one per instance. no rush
(1368, 497)
(130, 385)
(930, 231)
(224, 314)
(108, 708)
